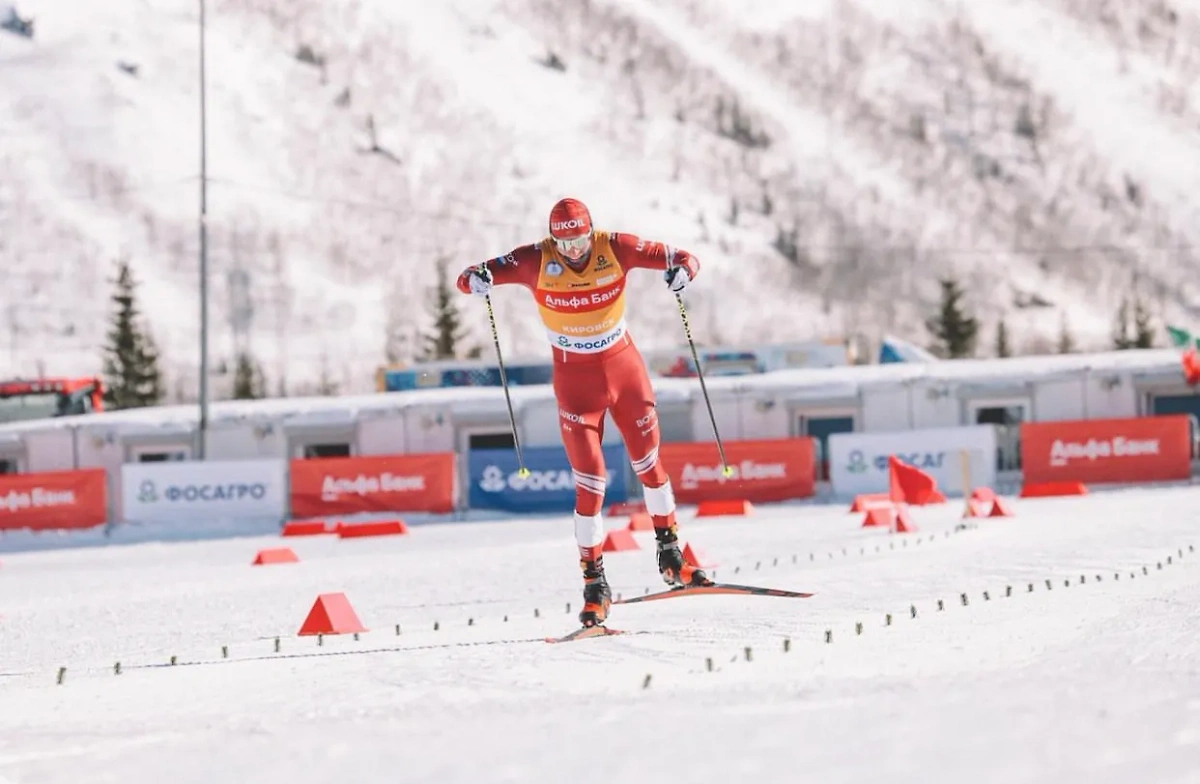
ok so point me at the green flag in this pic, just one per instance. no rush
(1180, 338)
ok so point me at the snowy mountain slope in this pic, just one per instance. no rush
(827, 161)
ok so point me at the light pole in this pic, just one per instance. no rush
(203, 434)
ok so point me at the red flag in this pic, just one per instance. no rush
(909, 485)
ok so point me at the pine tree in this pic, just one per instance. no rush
(1134, 325)
(1003, 348)
(954, 330)
(131, 359)
(248, 380)
(1121, 338)
(442, 342)
(1143, 327)
(1066, 341)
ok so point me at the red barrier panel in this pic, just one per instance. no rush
(763, 471)
(1095, 451)
(54, 501)
(385, 483)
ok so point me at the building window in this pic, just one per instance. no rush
(310, 451)
(161, 454)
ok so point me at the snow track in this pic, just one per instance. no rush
(1088, 676)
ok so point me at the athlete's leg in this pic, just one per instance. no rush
(582, 402)
(635, 413)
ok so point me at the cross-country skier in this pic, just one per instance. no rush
(577, 276)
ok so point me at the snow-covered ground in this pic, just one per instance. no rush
(1091, 676)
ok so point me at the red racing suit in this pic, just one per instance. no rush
(597, 367)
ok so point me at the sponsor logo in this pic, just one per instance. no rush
(602, 263)
(234, 491)
(922, 460)
(646, 419)
(588, 329)
(554, 269)
(507, 260)
(574, 223)
(332, 488)
(494, 480)
(604, 280)
(583, 285)
(567, 415)
(591, 345)
(36, 498)
(1062, 452)
(577, 301)
(858, 462)
(147, 493)
(745, 471)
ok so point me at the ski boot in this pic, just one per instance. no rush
(597, 596)
(676, 571)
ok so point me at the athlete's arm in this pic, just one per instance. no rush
(633, 252)
(521, 266)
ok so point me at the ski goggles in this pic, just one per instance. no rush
(575, 247)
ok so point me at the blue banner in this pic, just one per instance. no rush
(550, 486)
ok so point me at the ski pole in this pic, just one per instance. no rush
(522, 471)
(726, 469)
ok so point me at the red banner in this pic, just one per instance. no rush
(54, 500)
(386, 483)
(1147, 449)
(763, 471)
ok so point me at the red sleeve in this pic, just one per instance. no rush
(521, 266)
(633, 252)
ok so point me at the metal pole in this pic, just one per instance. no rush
(203, 434)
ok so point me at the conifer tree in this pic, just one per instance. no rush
(1066, 341)
(442, 342)
(1003, 346)
(248, 380)
(1143, 326)
(1134, 325)
(954, 330)
(1121, 338)
(131, 359)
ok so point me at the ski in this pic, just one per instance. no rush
(715, 588)
(586, 632)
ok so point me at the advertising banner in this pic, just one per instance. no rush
(1147, 449)
(54, 500)
(381, 483)
(858, 462)
(763, 471)
(204, 490)
(550, 486)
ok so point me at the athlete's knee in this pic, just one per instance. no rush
(589, 492)
(649, 469)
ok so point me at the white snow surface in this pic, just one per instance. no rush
(1098, 681)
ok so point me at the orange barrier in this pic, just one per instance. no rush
(618, 540)
(1047, 489)
(275, 555)
(377, 528)
(724, 506)
(305, 528)
(331, 614)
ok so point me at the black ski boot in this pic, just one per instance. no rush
(597, 596)
(674, 569)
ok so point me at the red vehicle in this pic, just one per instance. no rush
(49, 397)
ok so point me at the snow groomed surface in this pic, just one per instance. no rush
(1057, 645)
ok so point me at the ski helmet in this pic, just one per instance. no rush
(571, 228)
